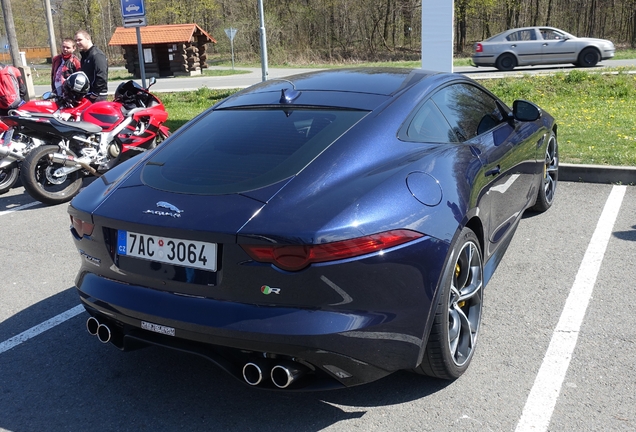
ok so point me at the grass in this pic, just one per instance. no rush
(625, 54)
(184, 106)
(594, 112)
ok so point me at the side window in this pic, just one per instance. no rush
(469, 110)
(549, 34)
(513, 37)
(429, 125)
(522, 35)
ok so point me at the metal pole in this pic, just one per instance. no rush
(263, 41)
(49, 24)
(232, 46)
(142, 66)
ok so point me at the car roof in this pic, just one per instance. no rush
(358, 88)
(507, 32)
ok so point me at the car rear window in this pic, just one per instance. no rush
(522, 35)
(238, 150)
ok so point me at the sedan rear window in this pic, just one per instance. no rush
(238, 150)
(522, 35)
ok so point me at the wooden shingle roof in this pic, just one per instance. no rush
(158, 34)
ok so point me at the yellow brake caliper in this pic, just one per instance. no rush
(458, 270)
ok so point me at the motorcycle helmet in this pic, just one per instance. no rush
(76, 86)
(129, 93)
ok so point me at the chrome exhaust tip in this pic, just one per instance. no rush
(283, 375)
(6, 152)
(253, 372)
(62, 159)
(103, 333)
(92, 325)
(70, 161)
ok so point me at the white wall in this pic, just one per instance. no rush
(437, 35)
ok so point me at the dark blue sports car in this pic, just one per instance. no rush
(318, 231)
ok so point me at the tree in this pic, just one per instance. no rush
(328, 30)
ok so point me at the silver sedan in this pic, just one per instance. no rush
(531, 46)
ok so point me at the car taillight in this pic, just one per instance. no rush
(479, 47)
(82, 227)
(297, 257)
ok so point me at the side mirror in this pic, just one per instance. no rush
(151, 82)
(523, 110)
(48, 95)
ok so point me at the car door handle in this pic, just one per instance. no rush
(545, 44)
(493, 172)
(513, 46)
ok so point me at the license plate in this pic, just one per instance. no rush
(187, 253)
(157, 328)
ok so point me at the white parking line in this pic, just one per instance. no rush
(40, 328)
(538, 410)
(22, 207)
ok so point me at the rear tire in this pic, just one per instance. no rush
(589, 57)
(506, 62)
(8, 177)
(37, 177)
(452, 340)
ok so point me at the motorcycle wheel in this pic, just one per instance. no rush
(37, 177)
(8, 177)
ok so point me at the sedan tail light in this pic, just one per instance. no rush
(297, 257)
(81, 227)
(479, 47)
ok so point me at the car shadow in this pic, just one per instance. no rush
(626, 235)
(529, 214)
(65, 379)
(18, 196)
(14, 197)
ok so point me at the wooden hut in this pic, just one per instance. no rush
(169, 50)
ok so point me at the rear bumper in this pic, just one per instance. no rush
(343, 348)
(485, 60)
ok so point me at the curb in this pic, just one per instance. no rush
(597, 174)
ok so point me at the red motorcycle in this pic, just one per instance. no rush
(107, 134)
(14, 146)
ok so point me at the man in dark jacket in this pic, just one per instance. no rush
(94, 65)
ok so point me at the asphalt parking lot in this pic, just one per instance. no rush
(555, 351)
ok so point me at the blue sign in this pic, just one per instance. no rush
(132, 8)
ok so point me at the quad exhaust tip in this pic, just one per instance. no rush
(253, 373)
(283, 375)
(103, 333)
(95, 328)
(92, 325)
(256, 372)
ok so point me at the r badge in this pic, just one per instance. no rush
(269, 290)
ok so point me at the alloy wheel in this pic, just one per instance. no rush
(465, 304)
